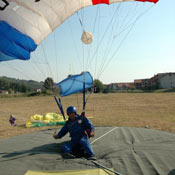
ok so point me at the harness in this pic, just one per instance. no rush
(87, 130)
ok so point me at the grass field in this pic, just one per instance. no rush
(117, 109)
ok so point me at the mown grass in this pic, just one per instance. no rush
(115, 109)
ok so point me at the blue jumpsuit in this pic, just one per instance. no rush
(77, 130)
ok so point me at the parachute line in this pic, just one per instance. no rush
(17, 70)
(56, 55)
(45, 56)
(108, 26)
(116, 51)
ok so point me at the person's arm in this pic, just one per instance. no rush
(61, 133)
(89, 126)
(55, 135)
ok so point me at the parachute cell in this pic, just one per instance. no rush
(25, 24)
(14, 45)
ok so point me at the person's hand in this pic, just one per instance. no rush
(55, 135)
(92, 134)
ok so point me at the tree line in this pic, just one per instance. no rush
(13, 85)
(16, 85)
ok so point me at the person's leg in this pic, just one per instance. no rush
(67, 148)
(85, 144)
(78, 151)
(67, 151)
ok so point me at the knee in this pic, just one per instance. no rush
(84, 141)
(66, 148)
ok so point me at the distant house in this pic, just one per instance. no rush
(142, 83)
(4, 91)
(161, 80)
(38, 90)
(164, 80)
(120, 86)
(125, 85)
(138, 83)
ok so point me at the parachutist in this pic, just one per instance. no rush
(79, 128)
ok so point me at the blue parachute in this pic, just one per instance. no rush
(74, 83)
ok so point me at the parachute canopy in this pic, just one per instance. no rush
(74, 83)
(25, 24)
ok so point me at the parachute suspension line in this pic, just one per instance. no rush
(18, 70)
(116, 51)
(77, 101)
(47, 63)
(83, 30)
(108, 44)
(127, 25)
(56, 60)
(36, 65)
(132, 25)
(84, 93)
(101, 40)
(81, 24)
(37, 68)
(96, 58)
(85, 99)
(84, 67)
(45, 57)
(73, 39)
(75, 45)
(89, 49)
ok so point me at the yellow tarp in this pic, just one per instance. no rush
(71, 172)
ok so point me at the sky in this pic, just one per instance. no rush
(130, 41)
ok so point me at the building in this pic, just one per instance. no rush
(4, 91)
(142, 83)
(164, 80)
(120, 86)
(158, 81)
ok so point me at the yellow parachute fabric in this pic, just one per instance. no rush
(49, 119)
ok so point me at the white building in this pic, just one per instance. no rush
(166, 80)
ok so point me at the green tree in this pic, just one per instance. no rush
(10, 91)
(98, 86)
(48, 83)
(23, 88)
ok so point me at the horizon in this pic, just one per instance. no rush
(145, 48)
(94, 79)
